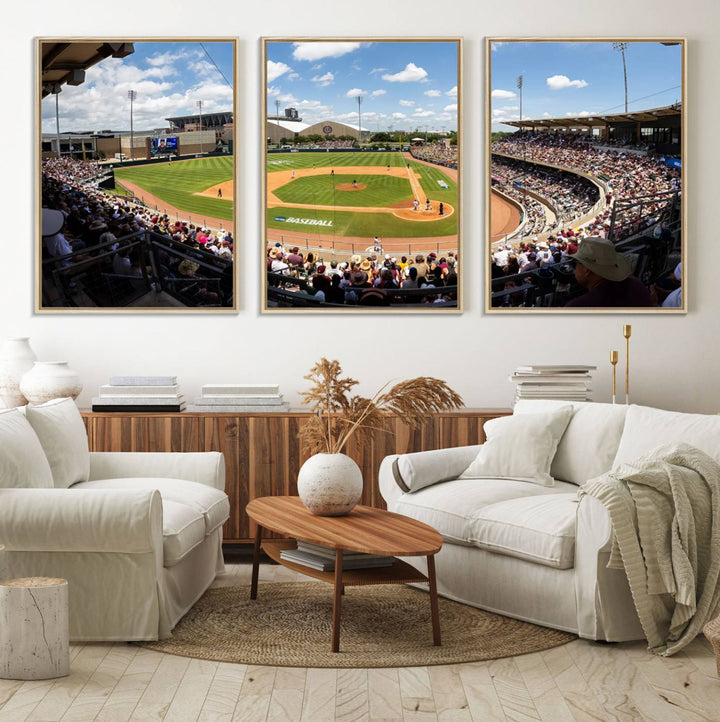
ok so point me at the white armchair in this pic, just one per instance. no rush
(137, 536)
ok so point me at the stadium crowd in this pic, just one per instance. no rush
(570, 195)
(368, 281)
(627, 175)
(437, 153)
(95, 218)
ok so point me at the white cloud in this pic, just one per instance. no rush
(503, 94)
(450, 108)
(411, 73)
(293, 76)
(287, 98)
(420, 113)
(275, 70)
(560, 82)
(324, 80)
(407, 103)
(317, 51)
(496, 46)
(317, 66)
(377, 93)
(546, 115)
(375, 71)
(452, 92)
(581, 114)
(433, 93)
(399, 116)
(355, 92)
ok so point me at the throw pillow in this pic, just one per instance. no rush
(22, 460)
(61, 431)
(520, 447)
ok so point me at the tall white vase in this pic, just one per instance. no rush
(16, 358)
(330, 484)
(49, 380)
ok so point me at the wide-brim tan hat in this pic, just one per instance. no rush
(599, 255)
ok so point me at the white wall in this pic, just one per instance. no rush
(674, 362)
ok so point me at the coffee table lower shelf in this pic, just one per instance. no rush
(399, 572)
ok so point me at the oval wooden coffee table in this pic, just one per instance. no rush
(364, 529)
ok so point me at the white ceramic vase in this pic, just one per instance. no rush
(16, 358)
(330, 484)
(49, 380)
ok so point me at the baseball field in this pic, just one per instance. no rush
(188, 186)
(359, 196)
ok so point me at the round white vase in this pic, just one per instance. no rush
(49, 380)
(16, 358)
(330, 484)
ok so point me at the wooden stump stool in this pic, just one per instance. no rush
(34, 628)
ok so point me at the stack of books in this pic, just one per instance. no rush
(564, 382)
(322, 558)
(140, 393)
(240, 398)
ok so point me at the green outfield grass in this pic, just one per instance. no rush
(178, 181)
(380, 190)
(317, 190)
(288, 161)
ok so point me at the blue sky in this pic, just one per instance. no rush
(169, 77)
(581, 78)
(404, 85)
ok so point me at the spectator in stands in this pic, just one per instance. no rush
(606, 276)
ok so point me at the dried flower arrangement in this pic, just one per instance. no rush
(339, 415)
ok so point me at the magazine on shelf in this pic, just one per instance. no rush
(240, 400)
(329, 552)
(143, 380)
(554, 369)
(109, 390)
(323, 564)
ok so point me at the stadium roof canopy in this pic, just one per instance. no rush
(67, 62)
(295, 126)
(600, 120)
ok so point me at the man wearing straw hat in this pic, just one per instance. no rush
(606, 274)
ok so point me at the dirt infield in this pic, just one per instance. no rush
(504, 217)
(278, 178)
(350, 187)
(227, 189)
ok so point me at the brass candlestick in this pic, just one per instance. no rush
(627, 330)
(613, 361)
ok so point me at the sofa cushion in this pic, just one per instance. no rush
(22, 460)
(591, 439)
(183, 530)
(61, 431)
(520, 447)
(212, 504)
(540, 529)
(647, 428)
(454, 507)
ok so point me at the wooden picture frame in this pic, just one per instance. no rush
(361, 175)
(136, 166)
(585, 140)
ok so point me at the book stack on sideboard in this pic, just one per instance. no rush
(553, 381)
(240, 398)
(140, 393)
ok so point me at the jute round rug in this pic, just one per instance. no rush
(289, 625)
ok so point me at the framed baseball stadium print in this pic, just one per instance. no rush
(361, 175)
(585, 206)
(136, 165)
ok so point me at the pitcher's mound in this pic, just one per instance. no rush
(226, 189)
(350, 187)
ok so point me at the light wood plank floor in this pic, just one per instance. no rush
(579, 681)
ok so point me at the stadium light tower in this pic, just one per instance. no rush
(519, 86)
(622, 47)
(132, 94)
(199, 104)
(359, 102)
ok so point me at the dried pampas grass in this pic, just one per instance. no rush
(339, 415)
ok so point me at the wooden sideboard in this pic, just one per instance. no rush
(262, 451)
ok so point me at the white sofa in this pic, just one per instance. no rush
(138, 536)
(535, 552)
